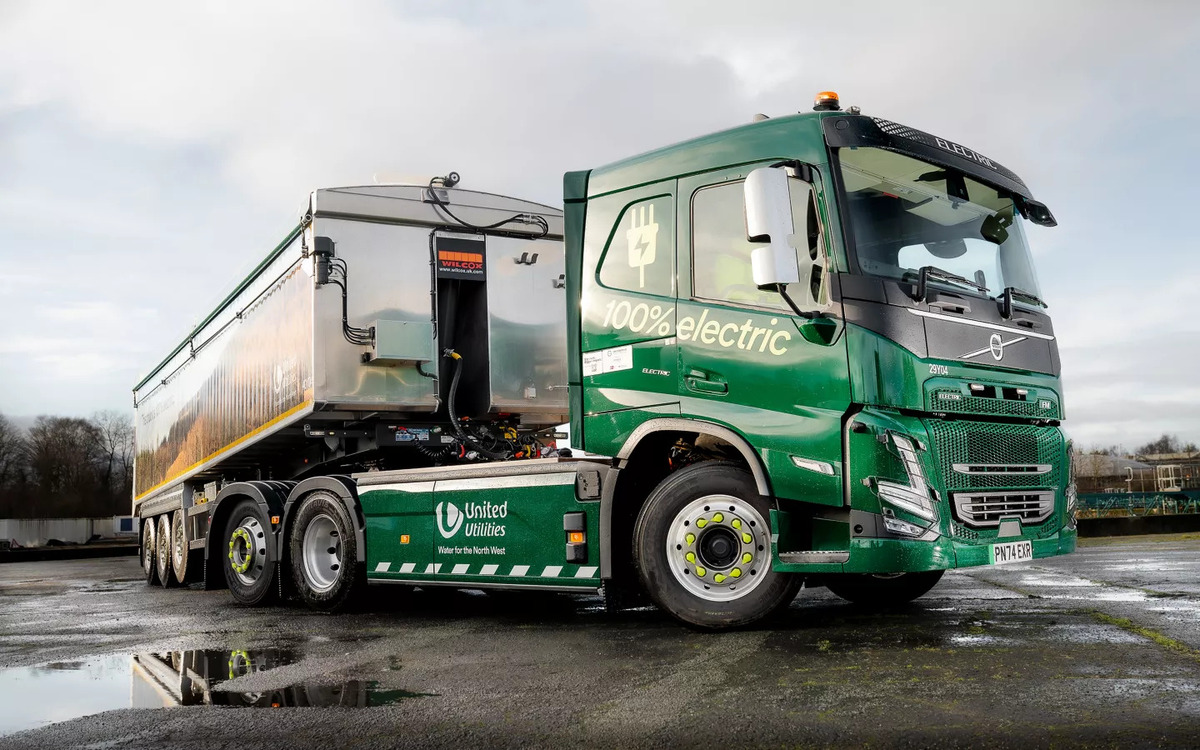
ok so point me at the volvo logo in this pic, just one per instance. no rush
(995, 346)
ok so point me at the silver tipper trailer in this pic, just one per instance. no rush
(340, 351)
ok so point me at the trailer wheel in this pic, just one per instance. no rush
(162, 551)
(149, 551)
(249, 573)
(324, 553)
(882, 590)
(702, 548)
(179, 547)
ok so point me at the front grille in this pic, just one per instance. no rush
(979, 444)
(952, 401)
(990, 508)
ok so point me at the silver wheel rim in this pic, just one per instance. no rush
(164, 546)
(719, 548)
(247, 550)
(149, 548)
(322, 551)
(177, 541)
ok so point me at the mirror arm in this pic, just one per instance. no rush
(803, 171)
(921, 287)
(782, 289)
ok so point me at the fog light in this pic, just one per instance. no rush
(896, 526)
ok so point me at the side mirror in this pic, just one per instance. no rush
(1038, 213)
(769, 221)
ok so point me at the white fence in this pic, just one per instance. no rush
(36, 532)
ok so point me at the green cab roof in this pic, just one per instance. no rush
(796, 136)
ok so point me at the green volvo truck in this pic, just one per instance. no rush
(809, 350)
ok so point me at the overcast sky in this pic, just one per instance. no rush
(151, 153)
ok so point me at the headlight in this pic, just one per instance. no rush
(913, 497)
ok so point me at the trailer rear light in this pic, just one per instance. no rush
(575, 537)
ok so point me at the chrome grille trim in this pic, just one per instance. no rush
(985, 509)
(1002, 469)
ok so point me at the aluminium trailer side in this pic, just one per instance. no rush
(233, 401)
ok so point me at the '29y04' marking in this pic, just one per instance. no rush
(656, 320)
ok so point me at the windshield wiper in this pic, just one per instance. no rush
(1011, 293)
(937, 274)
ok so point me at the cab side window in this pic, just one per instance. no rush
(721, 269)
(640, 256)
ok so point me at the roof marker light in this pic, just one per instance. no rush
(826, 100)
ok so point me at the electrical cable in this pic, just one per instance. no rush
(531, 219)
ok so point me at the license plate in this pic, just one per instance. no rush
(1011, 552)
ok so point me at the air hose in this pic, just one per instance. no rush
(463, 437)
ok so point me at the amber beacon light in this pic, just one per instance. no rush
(826, 100)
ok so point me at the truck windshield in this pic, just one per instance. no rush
(906, 214)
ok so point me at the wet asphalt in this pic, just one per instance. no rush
(1101, 648)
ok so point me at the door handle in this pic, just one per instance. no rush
(699, 381)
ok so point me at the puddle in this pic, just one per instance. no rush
(32, 697)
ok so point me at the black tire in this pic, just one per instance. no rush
(149, 551)
(880, 590)
(688, 592)
(323, 552)
(249, 572)
(162, 551)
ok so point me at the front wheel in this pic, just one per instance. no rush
(249, 571)
(702, 548)
(879, 590)
(324, 553)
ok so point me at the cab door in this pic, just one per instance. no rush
(745, 358)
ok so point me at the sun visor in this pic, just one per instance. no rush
(851, 131)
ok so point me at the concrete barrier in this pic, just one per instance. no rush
(1134, 525)
(36, 532)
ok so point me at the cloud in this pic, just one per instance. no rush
(150, 152)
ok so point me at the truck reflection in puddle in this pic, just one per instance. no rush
(189, 678)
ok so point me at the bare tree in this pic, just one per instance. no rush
(66, 462)
(116, 444)
(12, 455)
(1165, 444)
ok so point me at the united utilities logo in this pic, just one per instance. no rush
(449, 519)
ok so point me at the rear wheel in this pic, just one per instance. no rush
(324, 553)
(162, 551)
(702, 548)
(249, 572)
(883, 590)
(149, 551)
(179, 547)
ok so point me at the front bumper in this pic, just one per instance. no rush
(912, 556)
